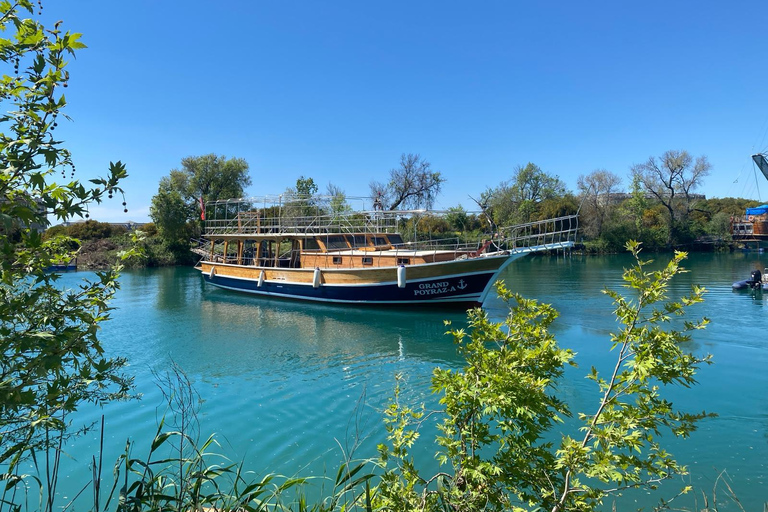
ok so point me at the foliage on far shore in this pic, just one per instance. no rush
(99, 244)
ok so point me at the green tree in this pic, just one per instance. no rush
(211, 177)
(52, 360)
(461, 221)
(301, 200)
(337, 199)
(672, 180)
(517, 200)
(597, 190)
(93, 230)
(171, 214)
(201, 179)
(413, 185)
(305, 187)
(498, 444)
(208, 177)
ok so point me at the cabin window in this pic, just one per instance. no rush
(403, 261)
(357, 240)
(379, 241)
(335, 242)
(367, 260)
(310, 244)
(337, 260)
(395, 239)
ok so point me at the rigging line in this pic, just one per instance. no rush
(747, 188)
(754, 168)
(747, 183)
(731, 187)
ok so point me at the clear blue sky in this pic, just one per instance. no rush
(337, 90)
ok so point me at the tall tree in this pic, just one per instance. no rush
(201, 178)
(596, 189)
(301, 200)
(413, 185)
(516, 200)
(337, 199)
(211, 177)
(306, 187)
(171, 213)
(672, 179)
(52, 360)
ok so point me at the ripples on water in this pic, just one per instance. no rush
(285, 385)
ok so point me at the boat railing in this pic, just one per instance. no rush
(559, 231)
(544, 235)
(437, 244)
(259, 223)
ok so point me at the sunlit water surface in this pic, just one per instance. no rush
(290, 387)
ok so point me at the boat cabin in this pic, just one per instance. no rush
(332, 250)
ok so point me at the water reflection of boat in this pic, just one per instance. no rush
(319, 334)
(304, 248)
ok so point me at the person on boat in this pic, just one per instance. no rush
(757, 278)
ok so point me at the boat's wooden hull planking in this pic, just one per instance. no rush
(462, 282)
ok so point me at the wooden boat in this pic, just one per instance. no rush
(310, 249)
(752, 228)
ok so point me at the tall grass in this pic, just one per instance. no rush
(180, 472)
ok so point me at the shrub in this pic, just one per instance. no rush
(498, 444)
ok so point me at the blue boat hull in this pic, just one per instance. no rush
(459, 290)
(749, 284)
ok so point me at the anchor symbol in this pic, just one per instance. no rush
(461, 284)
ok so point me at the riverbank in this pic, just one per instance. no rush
(99, 254)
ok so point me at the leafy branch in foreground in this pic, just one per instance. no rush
(620, 444)
(52, 360)
(502, 416)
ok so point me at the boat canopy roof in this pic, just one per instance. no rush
(758, 210)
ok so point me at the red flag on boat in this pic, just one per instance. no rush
(202, 209)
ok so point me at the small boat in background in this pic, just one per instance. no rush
(757, 281)
(313, 248)
(70, 266)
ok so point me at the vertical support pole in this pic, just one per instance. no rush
(277, 253)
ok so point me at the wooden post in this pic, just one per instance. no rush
(277, 253)
(239, 252)
(226, 250)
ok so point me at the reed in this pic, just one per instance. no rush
(181, 472)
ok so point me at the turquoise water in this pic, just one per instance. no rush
(289, 387)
